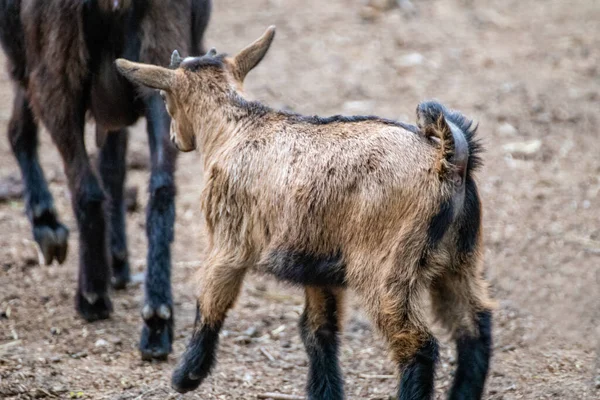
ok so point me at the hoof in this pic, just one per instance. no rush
(92, 306)
(183, 383)
(157, 333)
(197, 361)
(121, 275)
(52, 242)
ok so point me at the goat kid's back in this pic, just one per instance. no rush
(339, 190)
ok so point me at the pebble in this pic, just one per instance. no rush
(410, 60)
(242, 339)
(138, 278)
(101, 343)
(115, 340)
(509, 347)
(506, 129)
(526, 148)
(248, 377)
(251, 332)
(81, 354)
(510, 388)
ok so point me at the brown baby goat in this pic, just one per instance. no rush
(387, 209)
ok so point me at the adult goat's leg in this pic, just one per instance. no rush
(57, 88)
(88, 200)
(460, 301)
(319, 328)
(50, 235)
(157, 312)
(112, 168)
(222, 282)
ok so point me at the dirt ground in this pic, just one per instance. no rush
(528, 71)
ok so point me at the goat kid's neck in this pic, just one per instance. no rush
(219, 123)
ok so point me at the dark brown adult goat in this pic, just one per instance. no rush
(61, 57)
(388, 209)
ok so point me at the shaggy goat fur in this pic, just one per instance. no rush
(61, 58)
(387, 209)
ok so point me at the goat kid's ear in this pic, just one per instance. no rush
(175, 60)
(252, 54)
(152, 76)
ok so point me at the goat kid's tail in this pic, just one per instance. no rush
(455, 135)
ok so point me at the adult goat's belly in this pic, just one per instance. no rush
(112, 99)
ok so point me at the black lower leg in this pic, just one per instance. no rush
(473, 355)
(321, 343)
(418, 375)
(50, 235)
(92, 299)
(111, 165)
(157, 333)
(199, 357)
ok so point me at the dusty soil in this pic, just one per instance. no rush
(528, 71)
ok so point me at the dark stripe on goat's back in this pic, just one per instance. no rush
(307, 269)
(256, 107)
(316, 120)
(470, 219)
(440, 222)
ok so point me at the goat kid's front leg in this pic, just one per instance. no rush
(49, 233)
(319, 329)
(157, 312)
(220, 289)
(112, 168)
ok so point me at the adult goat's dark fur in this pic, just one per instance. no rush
(61, 57)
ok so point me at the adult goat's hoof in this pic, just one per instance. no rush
(120, 273)
(157, 333)
(93, 306)
(52, 240)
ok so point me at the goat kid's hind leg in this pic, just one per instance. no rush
(319, 329)
(460, 302)
(50, 235)
(220, 289)
(111, 165)
(157, 312)
(398, 314)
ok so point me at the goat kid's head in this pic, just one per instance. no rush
(191, 83)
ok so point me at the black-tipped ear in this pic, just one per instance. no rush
(250, 56)
(175, 60)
